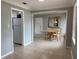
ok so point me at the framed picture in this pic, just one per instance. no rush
(53, 22)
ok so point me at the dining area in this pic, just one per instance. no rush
(49, 27)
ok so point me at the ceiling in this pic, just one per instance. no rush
(35, 5)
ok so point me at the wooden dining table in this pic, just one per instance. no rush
(52, 34)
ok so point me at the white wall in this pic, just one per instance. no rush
(63, 23)
(27, 27)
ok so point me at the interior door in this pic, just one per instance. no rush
(38, 25)
(17, 30)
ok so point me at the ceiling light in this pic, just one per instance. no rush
(41, 0)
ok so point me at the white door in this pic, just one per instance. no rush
(38, 25)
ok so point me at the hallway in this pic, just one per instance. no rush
(42, 49)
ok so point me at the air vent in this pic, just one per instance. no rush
(24, 3)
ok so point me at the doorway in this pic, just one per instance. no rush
(54, 34)
(17, 27)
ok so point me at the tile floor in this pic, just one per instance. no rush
(42, 49)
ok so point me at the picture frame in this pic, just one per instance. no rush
(53, 22)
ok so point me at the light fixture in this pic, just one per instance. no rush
(41, 0)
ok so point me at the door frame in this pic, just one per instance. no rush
(23, 26)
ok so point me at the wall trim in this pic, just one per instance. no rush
(32, 30)
(12, 8)
(26, 44)
(7, 54)
(50, 12)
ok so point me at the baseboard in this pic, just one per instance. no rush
(7, 54)
(27, 43)
(71, 54)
